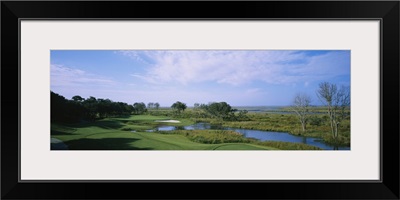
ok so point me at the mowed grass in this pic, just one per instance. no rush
(116, 134)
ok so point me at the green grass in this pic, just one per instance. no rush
(112, 134)
(122, 140)
(129, 133)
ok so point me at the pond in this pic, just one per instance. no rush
(257, 134)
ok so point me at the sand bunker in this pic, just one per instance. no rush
(168, 121)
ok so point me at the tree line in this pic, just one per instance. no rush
(219, 110)
(90, 109)
(77, 109)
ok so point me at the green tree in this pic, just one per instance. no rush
(58, 107)
(179, 106)
(78, 108)
(91, 106)
(78, 98)
(220, 110)
(105, 107)
(139, 108)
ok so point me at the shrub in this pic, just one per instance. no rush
(212, 136)
(288, 145)
(316, 121)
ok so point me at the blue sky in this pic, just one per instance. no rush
(239, 77)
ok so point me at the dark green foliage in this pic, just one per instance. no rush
(316, 121)
(220, 110)
(78, 98)
(139, 108)
(341, 140)
(325, 118)
(58, 107)
(179, 106)
(242, 116)
(63, 110)
(90, 109)
(152, 105)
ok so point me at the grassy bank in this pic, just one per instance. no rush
(226, 136)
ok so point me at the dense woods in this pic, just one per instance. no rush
(90, 109)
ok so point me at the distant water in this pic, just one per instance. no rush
(259, 108)
(269, 109)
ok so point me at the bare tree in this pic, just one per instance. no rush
(344, 102)
(300, 106)
(337, 100)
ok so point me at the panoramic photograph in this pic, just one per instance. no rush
(200, 100)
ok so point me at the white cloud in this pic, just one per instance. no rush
(148, 79)
(253, 91)
(134, 55)
(67, 76)
(239, 67)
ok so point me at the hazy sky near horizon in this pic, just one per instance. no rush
(238, 77)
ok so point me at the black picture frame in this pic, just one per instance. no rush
(386, 11)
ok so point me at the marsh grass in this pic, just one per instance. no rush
(211, 136)
(226, 136)
(290, 124)
(287, 145)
